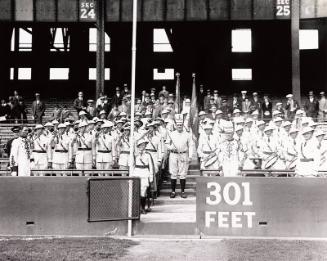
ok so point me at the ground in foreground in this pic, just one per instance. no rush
(161, 249)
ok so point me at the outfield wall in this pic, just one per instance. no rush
(50, 206)
(263, 207)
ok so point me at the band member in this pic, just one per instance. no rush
(41, 155)
(83, 141)
(229, 156)
(61, 143)
(179, 143)
(322, 146)
(290, 149)
(144, 169)
(123, 148)
(207, 150)
(104, 148)
(272, 156)
(309, 155)
(20, 154)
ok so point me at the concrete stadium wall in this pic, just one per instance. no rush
(56, 206)
(277, 207)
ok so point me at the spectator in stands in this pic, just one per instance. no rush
(125, 106)
(217, 99)
(14, 110)
(200, 98)
(113, 113)
(65, 114)
(235, 102)
(291, 107)
(164, 92)
(266, 108)
(16, 96)
(15, 130)
(322, 107)
(227, 111)
(103, 106)
(90, 109)
(255, 103)
(311, 106)
(38, 109)
(206, 101)
(125, 90)
(22, 110)
(4, 111)
(99, 100)
(56, 113)
(117, 99)
(279, 107)
(79, 102)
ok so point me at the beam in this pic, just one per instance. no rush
(295, 28)
(100, 48)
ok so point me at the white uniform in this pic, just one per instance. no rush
(229, 157)
(41, 152)
(181, 149)
(207, 150)
(83, 157)
(309, 158)
(105, 150)
(61, 153)
(154, 148)
(271, 153)
(144, 169)
(290, 152)
(20, 156)
(323, 155)
(124, 151)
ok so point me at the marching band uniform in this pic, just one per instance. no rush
(309, 156)
(104, 149)
(123, 147)
(61, 153)
(83, 156)
(41, 151)
(290, 150)
(229, 157)
(20, 156)
(270, 152)
(207, 151)
(322, 146)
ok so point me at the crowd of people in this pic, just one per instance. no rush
(244, 134)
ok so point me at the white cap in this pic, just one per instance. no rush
(82, 113)
(276, 112)
(255, 112)
(293, 130)
(298, 112)
(91, 122)
(55, 122)
(261, 123)
(238, 128)
(269, 128)
(48, 124)
(62, 126)
(122, 114)
(207, 127)
(165, 111)
(107, 124)
(179, 118)
(38, 126)
(236, 111)
(219, 112)
(244, 92)
(286, 123)
(201, 113)
(289, 96)
(319, 133)
(307, 129)
(141, 141)
(104, 112)
(82, 124)
(248, 120)
(278, 119)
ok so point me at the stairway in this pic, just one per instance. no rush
(175, 216)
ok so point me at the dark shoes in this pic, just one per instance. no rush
(183, 195)
(172, 194)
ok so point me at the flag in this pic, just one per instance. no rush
(178, 94)
(194, 119)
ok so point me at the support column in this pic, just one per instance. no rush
(100, 48)
(295, 28)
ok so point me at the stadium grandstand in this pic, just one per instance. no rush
(202, 90)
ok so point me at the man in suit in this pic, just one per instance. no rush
(311, 106)
(38, 109)
(322, 107)
(117, 99)
(79, 102)
(291, 107)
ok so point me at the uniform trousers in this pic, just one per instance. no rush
(178, 165)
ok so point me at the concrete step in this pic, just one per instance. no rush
(164, 228)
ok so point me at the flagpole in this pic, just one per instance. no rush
(131, 155)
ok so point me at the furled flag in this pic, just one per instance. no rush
(178, 94)
(194, 119)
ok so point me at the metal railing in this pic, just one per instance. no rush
(259, 173)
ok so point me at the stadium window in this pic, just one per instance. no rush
(160, 41)
(241, 41)
(93, 74)
(242, 74)
(23, 73)
(166, 74)
(93, 40)
(59, 73)
(60, 41)
(24, 40)
(309, 39)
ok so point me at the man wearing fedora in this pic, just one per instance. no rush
(38, 109)
(311, 106)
